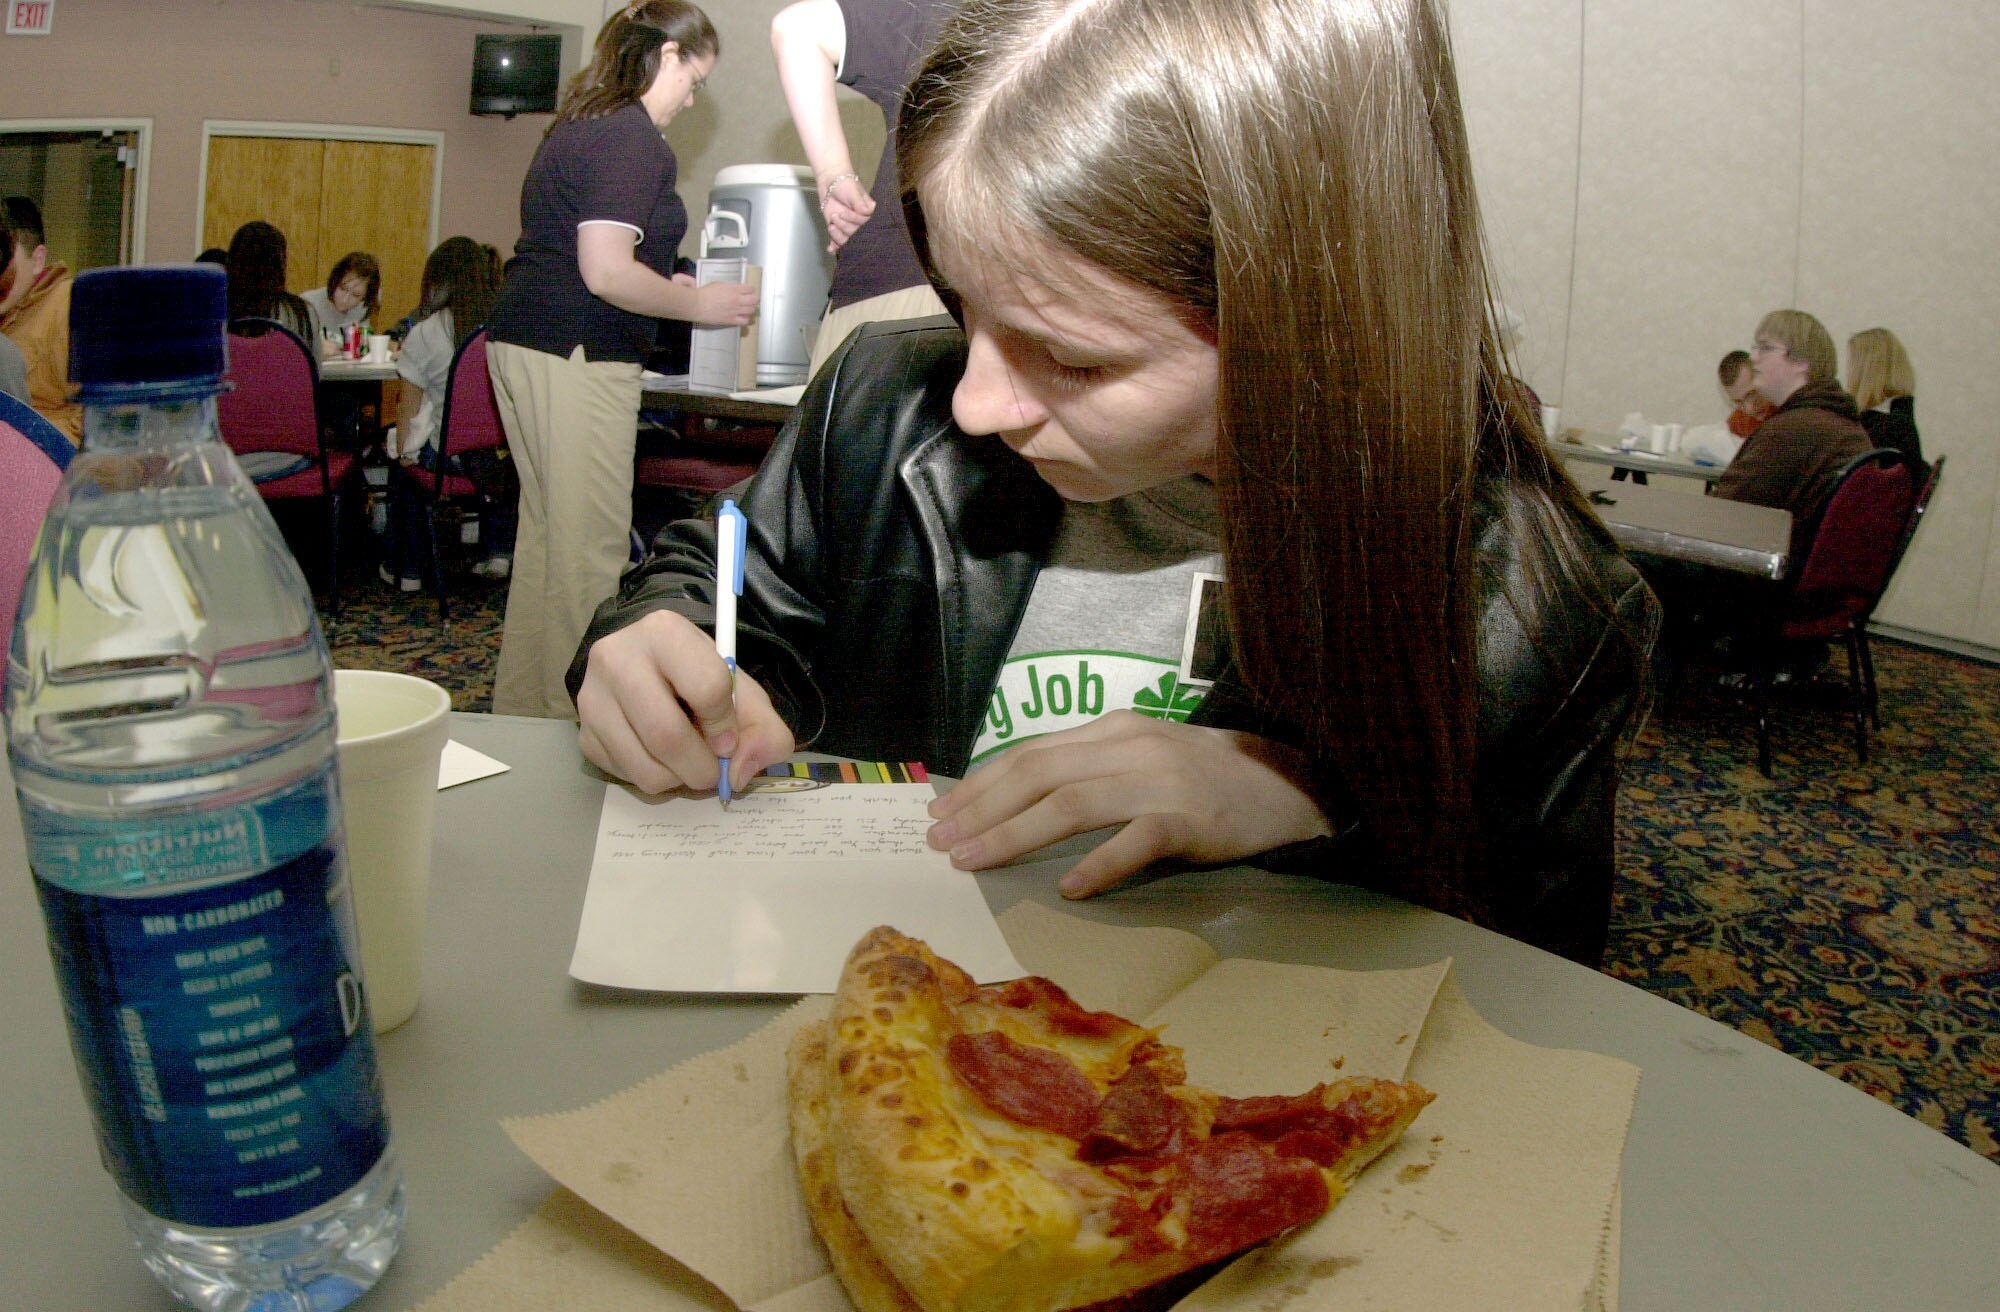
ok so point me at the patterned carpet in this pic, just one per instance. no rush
(1847, 914)
(380, 628)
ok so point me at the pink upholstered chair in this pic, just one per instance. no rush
(1836, 587)
(33, 455)
(471, 422)
(706, 461)
(270, 419)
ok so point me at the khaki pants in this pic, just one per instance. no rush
(571, 425)
(909, 303)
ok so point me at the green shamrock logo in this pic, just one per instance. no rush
(1170, 699)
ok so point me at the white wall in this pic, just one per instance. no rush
(1657, 175)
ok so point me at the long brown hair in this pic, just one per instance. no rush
(460, 276)
(1293, 175)
(256, 266)
(627, 57)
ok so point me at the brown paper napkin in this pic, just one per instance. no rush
(1503, 1194)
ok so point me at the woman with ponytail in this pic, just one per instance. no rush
(591, 275)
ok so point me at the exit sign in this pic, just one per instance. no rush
(30, 17)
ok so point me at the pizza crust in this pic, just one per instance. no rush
(943, 1203)
(870, 1284)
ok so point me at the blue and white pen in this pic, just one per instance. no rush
(730, 532)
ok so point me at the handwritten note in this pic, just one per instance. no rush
(826, 824)
(769, 896)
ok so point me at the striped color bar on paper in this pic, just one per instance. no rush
(853, 772)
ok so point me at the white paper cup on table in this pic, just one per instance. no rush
(1552, 423)
(378, 349)
(1674, 432)
(392, 731)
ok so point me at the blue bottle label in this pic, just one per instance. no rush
(221, 1032)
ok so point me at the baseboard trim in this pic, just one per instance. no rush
(1935, 642)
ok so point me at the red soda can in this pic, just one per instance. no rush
(350, 341)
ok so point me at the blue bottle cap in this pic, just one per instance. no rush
(153, 332)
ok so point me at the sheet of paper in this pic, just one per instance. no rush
(768, 896)
(461, 765)
(773, 395)
(723, 357)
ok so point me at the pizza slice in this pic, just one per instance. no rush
(1003, 1149)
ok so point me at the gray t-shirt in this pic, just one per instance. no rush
(1126, 615)
(426, 364)
(326, 319)
(13, 370)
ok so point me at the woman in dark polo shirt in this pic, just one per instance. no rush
(593, 270)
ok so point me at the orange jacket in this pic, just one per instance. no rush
(39, 325)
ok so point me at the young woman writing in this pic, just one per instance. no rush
(1224, 311)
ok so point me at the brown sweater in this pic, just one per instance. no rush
(39, 325)
(1792, 459)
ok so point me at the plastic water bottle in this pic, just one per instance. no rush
(169, 717)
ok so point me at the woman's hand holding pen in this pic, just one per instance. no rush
(656, 711)
(1199, 794)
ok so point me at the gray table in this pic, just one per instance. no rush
(342, 370)
(1640, 463)
(1685, 525)
(1752, 1180)
(715, 405)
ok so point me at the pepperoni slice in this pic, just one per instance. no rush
(1136, 1218)
(1026, 1084)
(1300, 1126)
(1270, 1116)
(1065, 1015)
(1240, 1193)
(1136, 1118)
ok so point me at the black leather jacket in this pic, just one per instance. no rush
(891, 556)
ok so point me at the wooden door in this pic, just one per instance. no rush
(375, 196)
(276, 179)
(328, 197)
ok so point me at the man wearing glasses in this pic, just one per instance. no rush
(1792, 459)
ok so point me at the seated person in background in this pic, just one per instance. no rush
(34, 315)
(213, 255)
(352, 294)
(1134, 412)
(1748, 406)
(256, 269)
(460, 284)
(1793, 457)
(1884, 387)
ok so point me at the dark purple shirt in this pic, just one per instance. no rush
(615, 168)
(885, 39)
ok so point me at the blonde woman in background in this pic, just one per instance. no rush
(1884, 387)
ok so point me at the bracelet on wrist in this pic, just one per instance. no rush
(826, 196)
